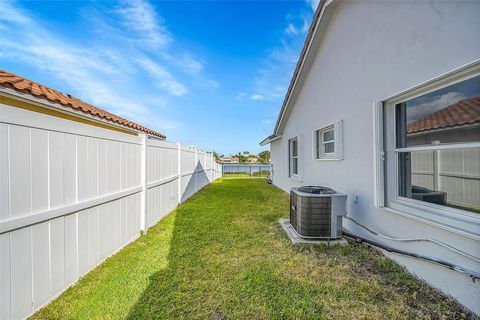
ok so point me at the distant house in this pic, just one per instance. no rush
(384, 106)
(229, 160)
(249, 159)
(252, 159)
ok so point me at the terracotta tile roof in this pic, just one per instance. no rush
(464, 112)
(17, 83)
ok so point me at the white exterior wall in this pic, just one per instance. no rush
(70, 196)
(372, 50)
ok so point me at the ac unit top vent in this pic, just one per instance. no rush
(316, 190)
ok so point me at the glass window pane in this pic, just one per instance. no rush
(294, 148)
(329, 147)
(329, 135)
(295, 166)
(447, 177)
(317, 144)
(447, 115)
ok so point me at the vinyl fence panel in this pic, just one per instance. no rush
(162, 179)
(71, 196)
(188, 161)
(455, 172)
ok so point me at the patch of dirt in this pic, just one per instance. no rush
(423, 301)
(218, 315)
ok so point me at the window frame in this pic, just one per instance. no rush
(325, 142)
(386, 160)
(319, 142)
(291, 157)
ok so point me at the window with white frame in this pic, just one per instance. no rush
(293, 157)
(328, 142)
(432, 148)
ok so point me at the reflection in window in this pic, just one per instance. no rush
(432, 166)
(293, 156)
(448, 115)
(446, 177)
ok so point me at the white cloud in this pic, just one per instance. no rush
(313, 4)
(423, 106)
(148, 33)
(164, 78)
(240, 96)
(140, 16)
(165, 124)
(191, 65)
(258, 97)
(306, 25)
(291, 30)
(143, 30)
(10, 14)
(298, 24)
(98, 76)
(131, 41)
(272, 78)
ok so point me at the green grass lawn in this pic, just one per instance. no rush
(223, 255)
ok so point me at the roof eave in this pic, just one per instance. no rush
(454, 127)
(269, 139)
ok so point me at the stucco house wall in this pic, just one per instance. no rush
(372, 50)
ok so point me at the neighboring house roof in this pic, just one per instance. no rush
(19, 84)
(464, 112)
(317, 17)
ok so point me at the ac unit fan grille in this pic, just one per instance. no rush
(311, 216)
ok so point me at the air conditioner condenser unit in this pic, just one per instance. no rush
(316, 212)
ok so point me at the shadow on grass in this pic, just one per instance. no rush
(212, 263)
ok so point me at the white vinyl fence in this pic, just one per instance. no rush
(455, 172)
(72, 195)
(251, 169)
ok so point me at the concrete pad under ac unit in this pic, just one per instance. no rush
(296, 239)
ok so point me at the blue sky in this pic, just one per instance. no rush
(207, 73)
